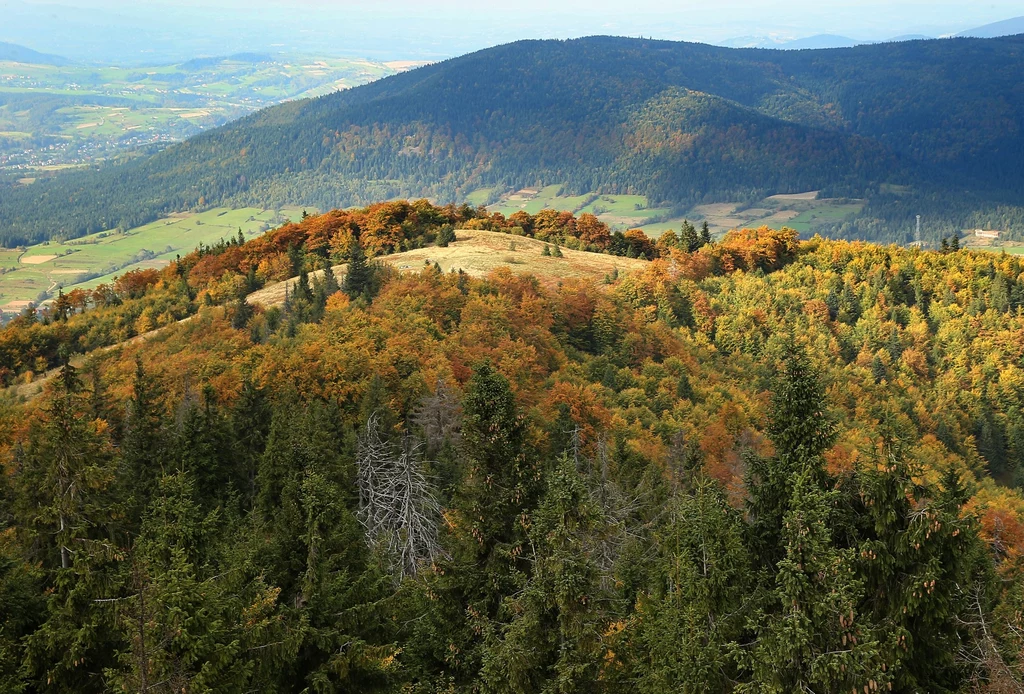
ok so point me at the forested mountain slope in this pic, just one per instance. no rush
(751, 465)
(677, 122)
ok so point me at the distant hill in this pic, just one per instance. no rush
(250, 58)
(910, 37)
(20, 54)
(813, 42)
(821, 41)
(678, 122)
(1007, 27)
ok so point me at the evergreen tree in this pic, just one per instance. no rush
(809, 635)
(142, 444)
(65, 479)
(553, 640)
(801, 431)
(446, 236)
(688, 239)
(489, 539)
(202, 447)
(693, 611)
(920, 556)
(250, 424)
(705, 234)
(358, 275)
(190, 624)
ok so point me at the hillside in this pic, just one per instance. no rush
(929, 127)
(1006, 27)
(19, 54)
(749, 465)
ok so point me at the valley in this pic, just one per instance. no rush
(68, 114)
(33, 274)
(678, 126)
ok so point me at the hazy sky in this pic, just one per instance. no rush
(165, 29)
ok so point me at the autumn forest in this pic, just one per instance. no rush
(750, 464)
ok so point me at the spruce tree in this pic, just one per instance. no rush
(809, 634)
(65, 479)
(143, 441)
(920, 555)
(692, 612)
(553, 641)
(688, 239)
(358, 274)
(801, 431)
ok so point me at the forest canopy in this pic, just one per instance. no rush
(753, 465)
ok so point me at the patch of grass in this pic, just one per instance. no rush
(480, 196)
(620, 212)
(826, 212)
(478, 253)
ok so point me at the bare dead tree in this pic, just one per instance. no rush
(396, 503)
(992, 674)
(439, 416)
(619, 509)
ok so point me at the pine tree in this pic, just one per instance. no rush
(809, 634)
(801, 431)
(705, 234)
(358, 275)
(692, 612)
(553, 640)
(143, 441)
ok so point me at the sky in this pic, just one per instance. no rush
(165, 30)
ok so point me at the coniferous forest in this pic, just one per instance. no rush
(752, 465)
(915, 127)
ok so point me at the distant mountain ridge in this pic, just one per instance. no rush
(21, 54)
(678, 122)
(1007, 27)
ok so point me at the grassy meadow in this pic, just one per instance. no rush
(35, 273)
(803, 212)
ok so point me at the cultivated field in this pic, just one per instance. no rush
(479, 252)
(37, 272)
(79, 113)
(803, 212)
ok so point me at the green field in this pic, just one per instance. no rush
(803, 212)
(92, 260)
(824, 212)
(620, 212)
(81, 113)
(1012, 250)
